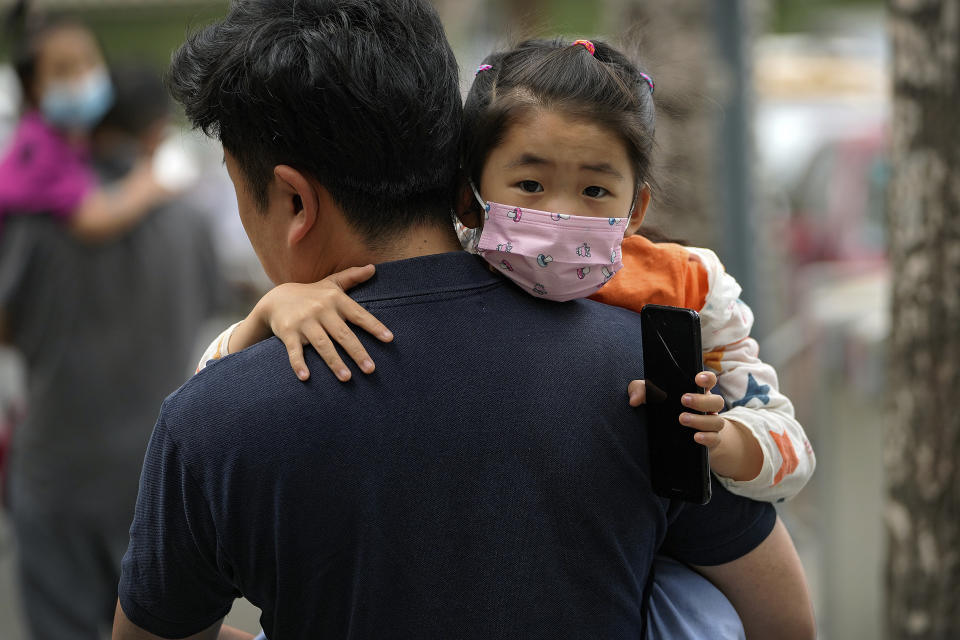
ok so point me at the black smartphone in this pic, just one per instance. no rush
(679, 466)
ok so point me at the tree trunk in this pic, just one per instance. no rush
(923, 445)
(676, 42)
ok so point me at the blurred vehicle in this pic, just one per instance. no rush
(822, 117)
(838, 204)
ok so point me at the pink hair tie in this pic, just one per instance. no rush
(647, 79)
(483, 67)
(586, 44)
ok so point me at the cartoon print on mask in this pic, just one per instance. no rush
(531, 249)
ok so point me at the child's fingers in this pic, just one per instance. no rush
(325, 349)
(706, 380)
(359, 316)
(709, 422)
(706, 402)
(353, 276)
(637, 391)
(295, 355)
(709, 439)
(338, 330)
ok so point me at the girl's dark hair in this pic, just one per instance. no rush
(605, 88)
(26, 32)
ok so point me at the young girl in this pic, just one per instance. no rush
(45, 169)
(559, 136)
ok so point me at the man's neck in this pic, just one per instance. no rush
(412, 243)
(420, 241)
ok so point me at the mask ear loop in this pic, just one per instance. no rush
(633, 205)
(483, 204)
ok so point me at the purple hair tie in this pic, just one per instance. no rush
(647, 79)
(483, 67)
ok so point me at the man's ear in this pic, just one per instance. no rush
(467, 207)
(639, 210)
(303, 202)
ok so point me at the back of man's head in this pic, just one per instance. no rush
(362, 95)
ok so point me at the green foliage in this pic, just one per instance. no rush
(790, 16)
(147, 32)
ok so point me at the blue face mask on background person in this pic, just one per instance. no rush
(78, 104)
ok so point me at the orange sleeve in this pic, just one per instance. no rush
(657, 273)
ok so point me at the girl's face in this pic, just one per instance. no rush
(551, 162)
(66, 55)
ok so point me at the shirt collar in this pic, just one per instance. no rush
(423, 275)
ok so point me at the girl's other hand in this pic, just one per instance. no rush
(708, 423)
(317, 314)
(734, 451)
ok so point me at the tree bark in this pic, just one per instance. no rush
(923, 445)
(675, 42)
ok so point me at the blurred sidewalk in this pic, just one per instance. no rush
(835, 375)
(243, 616)
(11, 626)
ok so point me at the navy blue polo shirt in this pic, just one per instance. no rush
(489, 480)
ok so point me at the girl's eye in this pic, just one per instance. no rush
(531, 186)
(595, 192)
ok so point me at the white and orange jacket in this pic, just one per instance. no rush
(671, 274)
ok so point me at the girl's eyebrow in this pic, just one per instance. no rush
(528, 159)
(602, 167)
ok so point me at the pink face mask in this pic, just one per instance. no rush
(552, 255)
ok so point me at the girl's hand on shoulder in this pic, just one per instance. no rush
(317, 314)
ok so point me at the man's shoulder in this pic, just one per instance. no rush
(619, 321)
(227, 388)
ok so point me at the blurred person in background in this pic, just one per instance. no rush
(45, 169)
(107, 331)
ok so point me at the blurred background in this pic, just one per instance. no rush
(772, 131)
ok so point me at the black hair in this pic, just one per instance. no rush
(363, 95)
(605, 88)
(26, 33)
(140, 99)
